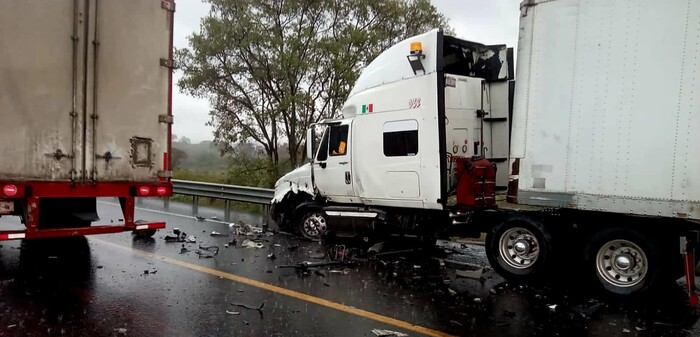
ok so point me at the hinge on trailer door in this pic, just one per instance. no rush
(168, 63)
(166, 119)
(167, 5)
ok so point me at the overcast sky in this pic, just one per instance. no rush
(485, 21)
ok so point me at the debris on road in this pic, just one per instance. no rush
(251, 244)
(191, 239)
(271, 256)
(213, 217)
(472, 274)
(233, 312)
(376, 248)
(11, 326)
(242, 305)
(184, 250)
(207, 252)
(388, 333)
(625, 330)
(245, 229)
(552, 307)
(199, 218)
(215, 233)
(121, 331)
(339, 271)
(277, 245)
(477, 300)
(306, 265)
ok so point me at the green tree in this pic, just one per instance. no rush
(271, 68)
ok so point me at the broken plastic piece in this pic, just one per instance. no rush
(215, 233)
(251, 244)
(199, 218)
(383, 333)
(191, 239)
(271, 256)
(233, 312)
(477, 300)
(552, 307)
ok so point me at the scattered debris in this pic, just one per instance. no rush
(326, 284)
(626, 330)
(306, 265)
(277, 245)
(199, 218)
(271, 256)
(207, 252)
(376, 248)
(383, 333)
(191, 239)
(233, 312)
(339, 271)
(451, 291)
(11, 326)
(226, 245)
(121, 331)
(639, 328)
(472, 274)
(245, 229)
(552, 307)
(248, 307)
(176, 231)
(213, 217)
(251, 244)
(215, 233)
(100, 267)
(184, 250)
(456, 323)
(493, 291)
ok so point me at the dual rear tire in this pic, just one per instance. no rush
(619, 260)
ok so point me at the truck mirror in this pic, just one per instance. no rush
(310, 143)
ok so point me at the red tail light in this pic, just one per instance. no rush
(144, 190)
(9, 190)
(161, 190)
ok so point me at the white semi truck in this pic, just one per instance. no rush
(596, 146)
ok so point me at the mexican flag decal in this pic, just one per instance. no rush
(366, 108)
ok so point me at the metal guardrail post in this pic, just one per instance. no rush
(266, 216)
(139, 201)
(195, 205)
(227, 210)
(166, 203)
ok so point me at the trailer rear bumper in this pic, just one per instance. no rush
(78, 231)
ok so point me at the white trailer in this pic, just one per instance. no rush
(602, 168)
(85, 107)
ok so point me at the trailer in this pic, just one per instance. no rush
(585, 163)
(86, 112)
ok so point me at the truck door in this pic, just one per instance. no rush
(41, 80)
(128, 134)
(333, 167)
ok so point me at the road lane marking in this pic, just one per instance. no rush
(284, 291)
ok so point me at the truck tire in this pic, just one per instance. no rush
(623, 261)
(519, 248)
(311, 223)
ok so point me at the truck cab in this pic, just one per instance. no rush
(417, 108)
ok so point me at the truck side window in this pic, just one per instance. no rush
(323, 147)
(401, 138)
(338, 143)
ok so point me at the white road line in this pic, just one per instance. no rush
(163, 212)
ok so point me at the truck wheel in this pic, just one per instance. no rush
(312, 224)
(519, 248)
(146, 233)
(623, 260)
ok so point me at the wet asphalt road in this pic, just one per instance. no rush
(99, 287)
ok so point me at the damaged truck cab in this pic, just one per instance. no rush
(389, 164)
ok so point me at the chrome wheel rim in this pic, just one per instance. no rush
(519, 248)
(622, 263)
(314, 225)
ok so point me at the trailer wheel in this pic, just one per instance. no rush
(312, 223)
(623, 260)
(519, 248)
